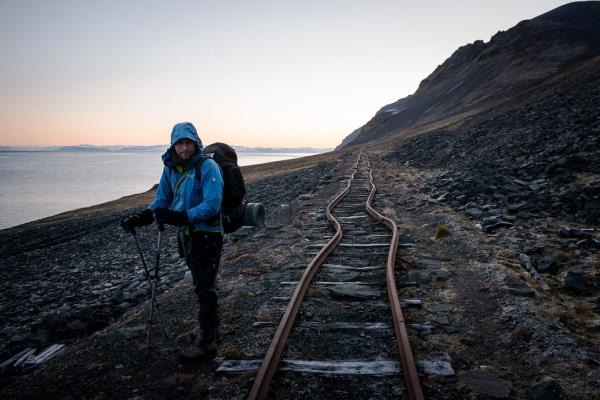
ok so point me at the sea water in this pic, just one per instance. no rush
(35, 185)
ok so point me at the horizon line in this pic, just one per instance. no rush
(156, 145)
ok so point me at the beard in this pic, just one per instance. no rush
(180, 161)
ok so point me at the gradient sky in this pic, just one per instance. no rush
(253, 73)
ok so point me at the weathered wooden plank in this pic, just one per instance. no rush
(315, 245)
(47, 354)
(16, 357)
(526, 262)
(319, 367)
(350, 268)
(364, 245)
(334, 326)
(327, 283)
(421, 327)
(24, 357)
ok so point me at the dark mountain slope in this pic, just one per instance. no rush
(537, 159)
(481, 74)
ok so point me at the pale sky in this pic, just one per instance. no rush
(252, 73)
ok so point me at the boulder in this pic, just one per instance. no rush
(517, 207)
(416, 276)
(487, 384)
(518, 287)
(429, 263)
(546, 264)
(576, 280)
(547, 389)
(495, 226)
(475, 213)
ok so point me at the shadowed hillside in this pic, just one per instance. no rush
(480, 75)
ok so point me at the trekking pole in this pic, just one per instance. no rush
(147, 276)
(150, 320)
(137, 244)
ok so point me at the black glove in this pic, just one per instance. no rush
(140, 219)
(166, 216)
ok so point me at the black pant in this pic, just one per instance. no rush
(203, 261)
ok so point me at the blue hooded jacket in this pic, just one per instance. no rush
(199, 198)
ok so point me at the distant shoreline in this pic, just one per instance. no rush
(147, 149)
(45, 203)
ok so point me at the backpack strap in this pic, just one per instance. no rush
(217, 218)
(180, 180)
(198, 166)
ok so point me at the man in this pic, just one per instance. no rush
(192, 203)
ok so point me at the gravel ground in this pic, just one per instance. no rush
(502, 333)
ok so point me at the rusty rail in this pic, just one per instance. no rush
(268, 367)
(411, 378)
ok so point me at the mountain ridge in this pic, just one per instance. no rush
(480, 75)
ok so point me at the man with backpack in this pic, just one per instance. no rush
(192, 203)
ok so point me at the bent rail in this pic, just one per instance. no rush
(268, 367)
(411, 378)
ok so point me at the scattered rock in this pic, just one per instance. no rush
(576, 279)
(475, 213)
(497, 225)
(463, 363)
(436, 367)
(533, 250)
(575, 233)
(546, 264)
(518, 287)
(517, 207)
(120, 335)
(440, 307)
(429, 263)
(416, 276)
(487, 384)
(547, 389)
(441, 275)
(440, 319)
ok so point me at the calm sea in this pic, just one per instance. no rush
(35, 185)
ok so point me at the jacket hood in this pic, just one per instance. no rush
(183, 130)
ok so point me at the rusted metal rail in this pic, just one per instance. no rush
(411, 378)
(269, 364)
(268, 367)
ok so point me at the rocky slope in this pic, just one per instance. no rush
(67, 276)
(480, 74)
(537, 159)
(504, 335)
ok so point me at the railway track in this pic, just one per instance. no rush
(347, 297)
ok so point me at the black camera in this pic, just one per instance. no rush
(246, 214)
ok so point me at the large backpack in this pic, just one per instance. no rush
(234, 188)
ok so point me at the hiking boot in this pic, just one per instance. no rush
(199, 344)
(206, 350)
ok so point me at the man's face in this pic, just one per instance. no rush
(185, 148)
